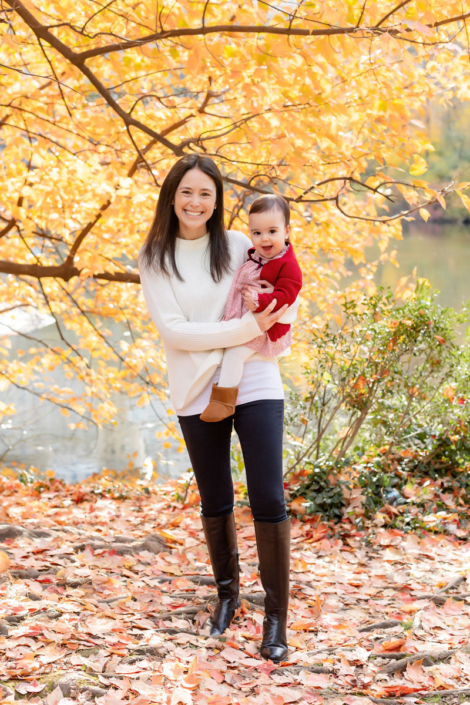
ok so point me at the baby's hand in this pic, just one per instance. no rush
(267, 287)
(248, 299)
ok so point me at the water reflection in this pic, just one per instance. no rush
(39, 434)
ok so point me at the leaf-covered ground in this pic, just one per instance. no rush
(106, 589)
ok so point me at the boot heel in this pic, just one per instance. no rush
(221, 539)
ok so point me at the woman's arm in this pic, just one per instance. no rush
(182, 334)
(290, 314)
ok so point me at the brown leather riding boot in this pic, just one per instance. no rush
(221, 404)
(221, 539)
(273, 542)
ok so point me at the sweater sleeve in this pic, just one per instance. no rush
(290, 314)
(182, 334)
(286, 288)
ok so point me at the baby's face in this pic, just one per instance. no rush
(268, 232)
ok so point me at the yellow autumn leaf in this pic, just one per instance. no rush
(419, 165)
(465, 200)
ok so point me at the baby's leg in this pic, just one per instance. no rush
(232, 365)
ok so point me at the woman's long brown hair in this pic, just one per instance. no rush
(159, 248)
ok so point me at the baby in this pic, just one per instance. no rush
(273, 260)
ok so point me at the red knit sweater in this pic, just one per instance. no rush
(285, 275)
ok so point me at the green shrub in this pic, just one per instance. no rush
(388, 378)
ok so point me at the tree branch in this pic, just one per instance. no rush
(392, 12)
(63, 271)
(135, 164)
(42, 32)
(247, 29)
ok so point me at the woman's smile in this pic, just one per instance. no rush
(193, 214)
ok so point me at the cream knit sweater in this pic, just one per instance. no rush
(187, 315)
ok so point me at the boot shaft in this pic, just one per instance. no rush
(273, 543)
(221, 540)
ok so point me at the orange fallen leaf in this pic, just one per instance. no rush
(391, 645)
(298, 505)
(317, 680)
(415, 671)
(299, 566)
(303, 624)
(191, 681)
(316, 607)
(170, 536)
(452, 606)
(400, 689)
(4, 562)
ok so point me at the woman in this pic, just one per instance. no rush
(186, 266)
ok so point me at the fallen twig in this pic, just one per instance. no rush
(389, 654)
(429, 658)
(199, 579)
(386, 624)
(172, 630)
(453, 583)
(194, 609)
(441, 599)
(452, 691)
(298, 669)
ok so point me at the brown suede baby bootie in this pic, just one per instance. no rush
(221, 404)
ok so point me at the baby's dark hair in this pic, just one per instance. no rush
(270, 202)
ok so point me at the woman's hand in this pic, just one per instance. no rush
(267, 318)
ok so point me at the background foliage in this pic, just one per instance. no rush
(319, 101)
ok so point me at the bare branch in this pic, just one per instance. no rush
(248, 29)
(392, 12)
(9, 226)
(44, 398)
(62, 271)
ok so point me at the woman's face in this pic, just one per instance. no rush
(194, 202)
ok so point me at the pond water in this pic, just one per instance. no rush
(441, 253)
(39, 435)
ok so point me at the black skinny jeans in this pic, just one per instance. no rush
(259, 426)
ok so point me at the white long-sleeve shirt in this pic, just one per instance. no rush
(187, 315)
